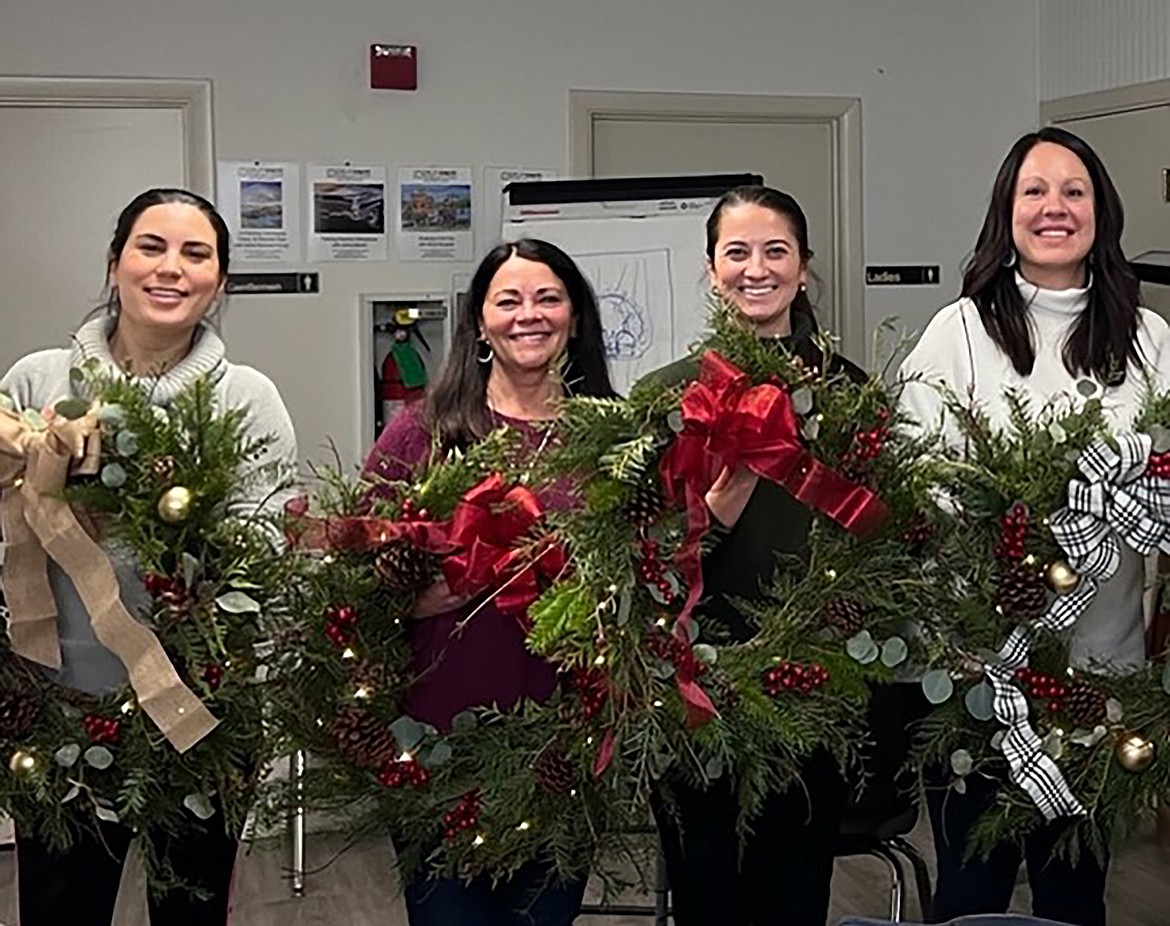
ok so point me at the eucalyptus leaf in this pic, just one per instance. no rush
(1160, 436)
(1053, 745)
(99, 757)
(464, 721)
(894, 652)
(1088, 738)
(961, 762)
(663, 669)
(67, 755)
(439, 753)
(980, 701)
(692, 631)
(960, 785)
(802, 400)
(200, 805)
(997, 739)
(705, 653)
(69, 711)
(675, 421)
(713, 770)
(126, 443)
(1057, 432)
(191, 569)
(237, 602)
(113, 476)
(106, 813)
(112, 416)
(407, 731)
(937, 686)
(1087, 388)
(72, 408)
(625, 602)
(71, 794)
(862, 647)
(810, 429)
(76, 375)
(1114, 712)
(35, 419)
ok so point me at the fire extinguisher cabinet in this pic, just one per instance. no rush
(405, 339)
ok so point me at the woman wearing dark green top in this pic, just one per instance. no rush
(758, 254)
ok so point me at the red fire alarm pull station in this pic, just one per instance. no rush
(393, 67)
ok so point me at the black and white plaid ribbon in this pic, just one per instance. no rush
(1115, 500)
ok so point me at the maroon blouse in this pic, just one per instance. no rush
(486, 662)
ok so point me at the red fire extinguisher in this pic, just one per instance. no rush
(404, 376)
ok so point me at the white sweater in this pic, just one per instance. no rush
(42, 378)
(955, 351)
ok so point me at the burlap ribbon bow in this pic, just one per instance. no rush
(38, 523)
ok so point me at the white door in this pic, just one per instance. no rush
(796, 157)
(65, 174)
(1135, 147)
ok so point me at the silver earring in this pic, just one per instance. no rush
(479, 354)
(803, 288)
(1010, 260)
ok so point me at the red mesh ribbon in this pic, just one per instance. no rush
(358, 532)
(728, 422)
(488, 522)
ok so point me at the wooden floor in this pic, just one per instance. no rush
(358, 888)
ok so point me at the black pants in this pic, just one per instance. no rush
(786, 865)
(79, 887)
(1060, 891)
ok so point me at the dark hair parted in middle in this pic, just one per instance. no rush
(456, 407)
(1104, 338)
(782, 204)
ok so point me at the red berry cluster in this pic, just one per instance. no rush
(102, 729)
(592, 687)
(867, 445)
(1013, 528)
(1159, 465)
(403, 772)
(652, 570)
(213, 675)
(410, 513)
(678, 652)
(463, 816)
(792, 676)
(1042, 687)
(341, 624)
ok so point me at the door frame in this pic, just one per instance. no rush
(841, 114)
(191, 98)
(1149, 95)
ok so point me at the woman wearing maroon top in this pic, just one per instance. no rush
(530, 334)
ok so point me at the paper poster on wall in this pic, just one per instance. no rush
(434, 214)
(491, 217)
(347, 205)
(260, 201)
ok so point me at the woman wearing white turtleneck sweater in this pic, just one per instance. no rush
(1049, 309)
(167, 266)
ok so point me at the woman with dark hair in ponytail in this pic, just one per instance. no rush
(1050, 310)
(758, 259)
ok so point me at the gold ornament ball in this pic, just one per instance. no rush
(174, 506)
(1135, 753)
(1061, 577)
(22, 763)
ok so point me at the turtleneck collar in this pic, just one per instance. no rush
(1054, 301)
(206, 358)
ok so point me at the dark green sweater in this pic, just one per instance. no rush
(743, 560)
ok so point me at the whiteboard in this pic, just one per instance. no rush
(646, 260)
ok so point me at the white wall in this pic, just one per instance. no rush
(1092, 45)
(945, 88)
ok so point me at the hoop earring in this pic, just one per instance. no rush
(479, 354)
(1010, 260)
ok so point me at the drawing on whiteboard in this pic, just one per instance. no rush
(635, 297)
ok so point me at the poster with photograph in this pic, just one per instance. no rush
(491, 217)
(260, 201)
(347, 205)
(434, 214)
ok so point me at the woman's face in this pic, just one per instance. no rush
(527, 317)
(758, 266)
(1053, 217)
(168, 273)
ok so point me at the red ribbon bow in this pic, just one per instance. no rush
(728, 422)
(484, 529)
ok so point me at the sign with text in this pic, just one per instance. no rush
(907, 275)
(273, 284)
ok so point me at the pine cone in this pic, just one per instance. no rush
(553, 772)
(1085, 703)
(1022, 594)
(18, 713)
(645, 505)
(401, 566)
(163, 469)
(364, 739)
(843, 615)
